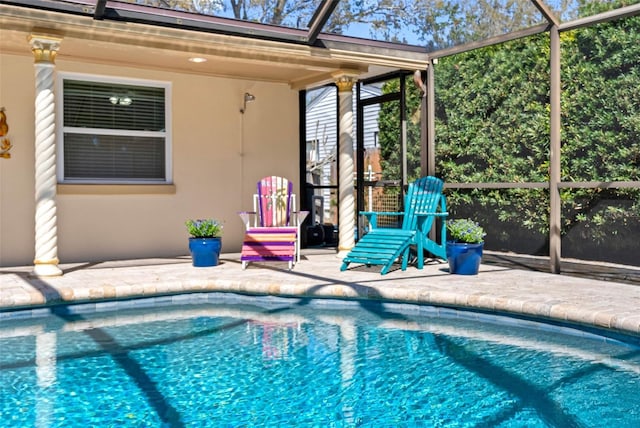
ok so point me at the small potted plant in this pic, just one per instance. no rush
(205, 241)
(465, 242)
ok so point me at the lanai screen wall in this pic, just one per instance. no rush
(492, 141)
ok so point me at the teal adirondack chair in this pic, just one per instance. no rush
(423, 202)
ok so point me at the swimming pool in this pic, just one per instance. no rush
(209, 360)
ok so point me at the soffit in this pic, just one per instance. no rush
(145, 46)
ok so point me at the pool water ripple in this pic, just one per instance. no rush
(287, 364)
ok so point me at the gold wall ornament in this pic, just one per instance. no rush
(5, 143)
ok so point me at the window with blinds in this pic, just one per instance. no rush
(114, 132)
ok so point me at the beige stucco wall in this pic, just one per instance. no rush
(218, 155)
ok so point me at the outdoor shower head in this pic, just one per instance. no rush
(247, 98)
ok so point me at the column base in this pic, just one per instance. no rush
(342, 253)
(46, 269)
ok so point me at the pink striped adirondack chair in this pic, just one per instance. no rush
(273, 227)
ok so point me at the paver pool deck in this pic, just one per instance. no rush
(592, 303)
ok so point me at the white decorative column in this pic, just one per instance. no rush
(346, 212)
(44, 50)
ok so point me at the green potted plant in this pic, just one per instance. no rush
(205, 241)
(465, 242)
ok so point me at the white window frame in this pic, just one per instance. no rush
(61, 130)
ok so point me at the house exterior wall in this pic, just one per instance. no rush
(218, 155)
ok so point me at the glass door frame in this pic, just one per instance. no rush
(360, 151)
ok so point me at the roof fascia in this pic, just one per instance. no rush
(183, 20)
(328, 40)
(57, 6)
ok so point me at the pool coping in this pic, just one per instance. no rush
(607, 307)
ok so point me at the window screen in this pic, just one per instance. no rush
(114, 132)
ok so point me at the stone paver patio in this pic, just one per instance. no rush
(498, 288)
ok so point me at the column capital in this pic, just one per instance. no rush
(345, 83)
(44, 47)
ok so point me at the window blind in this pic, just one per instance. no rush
(113, 132)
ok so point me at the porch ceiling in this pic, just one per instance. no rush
(146, 46)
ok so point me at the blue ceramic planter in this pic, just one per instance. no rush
(205, 251)
(464, 259)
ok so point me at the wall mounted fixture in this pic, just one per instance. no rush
(247, 98)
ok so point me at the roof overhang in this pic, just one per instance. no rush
(145, 45)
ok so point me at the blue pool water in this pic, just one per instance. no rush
(204, 362)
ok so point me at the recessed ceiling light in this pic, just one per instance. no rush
(197, 59)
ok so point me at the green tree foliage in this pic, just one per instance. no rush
(601, 126)
(600, 94)
(492, 113)
(493, 125)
